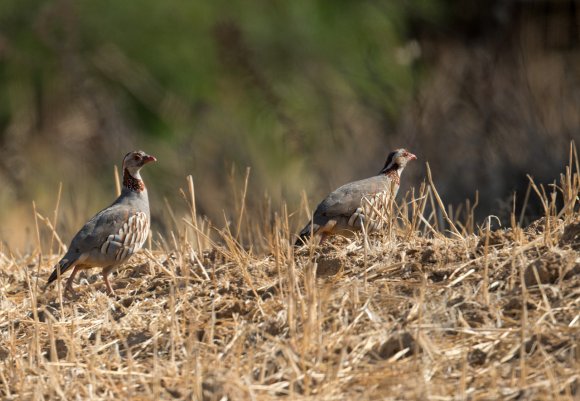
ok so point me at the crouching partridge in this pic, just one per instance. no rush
(115, 233)
(358, 204)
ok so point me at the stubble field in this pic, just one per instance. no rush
(434, 308)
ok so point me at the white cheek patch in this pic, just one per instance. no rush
(135, 172)
(129, 239)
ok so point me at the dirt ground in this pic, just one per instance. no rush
(396, 316)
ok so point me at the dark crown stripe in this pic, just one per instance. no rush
(388, 164)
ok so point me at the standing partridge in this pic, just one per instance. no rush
(359, 203)
(115, 233)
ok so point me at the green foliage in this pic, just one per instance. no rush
(267, 84)
(207, 53)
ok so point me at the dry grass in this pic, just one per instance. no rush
(417, 312)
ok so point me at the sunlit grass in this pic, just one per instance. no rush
(435, 307)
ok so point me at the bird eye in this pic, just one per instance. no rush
(136, 157)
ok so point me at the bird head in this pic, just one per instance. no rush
(133, 161)
(397, 160)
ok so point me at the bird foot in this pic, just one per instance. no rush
(70, 293)
(110, 291)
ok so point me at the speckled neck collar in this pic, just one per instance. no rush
(132, 183)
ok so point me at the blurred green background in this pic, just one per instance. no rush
(308, 93)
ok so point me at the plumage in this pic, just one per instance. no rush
(116, 232)
(359, 203)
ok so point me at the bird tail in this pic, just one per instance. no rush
(306, 233)
(61, 267)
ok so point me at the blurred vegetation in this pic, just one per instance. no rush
(309, 94)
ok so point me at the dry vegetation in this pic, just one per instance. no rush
(424, 310)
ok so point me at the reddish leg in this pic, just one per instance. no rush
(68, 287)
(106, 272)
(326, 230)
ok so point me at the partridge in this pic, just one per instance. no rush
(358, 204)
(115, 233)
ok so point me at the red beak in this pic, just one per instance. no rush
(412, 156)
(149, 159)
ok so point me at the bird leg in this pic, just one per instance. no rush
(68, 287)
(106, 272)
(326, 230)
